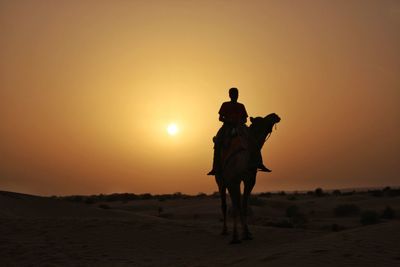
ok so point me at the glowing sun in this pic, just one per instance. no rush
(172, 129)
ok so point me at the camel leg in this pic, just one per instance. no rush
(248, 187)
(222, 192)
(234, 192)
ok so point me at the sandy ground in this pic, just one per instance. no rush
(38, 231)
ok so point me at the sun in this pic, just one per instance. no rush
(172, 129)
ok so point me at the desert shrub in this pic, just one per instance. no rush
(104, 206)
(349, 193)
(177, 195)
(376, 193)
(310, 193)
(319, 192)
(395, 192)
(265, 194)
(336, 192)
(390, 192)
(125, 197)
(256, 201)
(369, 217)
(145, 196)
(387, 189)
(74, 198)
(215, 195)
(201, 195)
(89, 200)
(345, 210)
(112, 197)
(388, 213)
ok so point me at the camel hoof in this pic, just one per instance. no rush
(235, 241)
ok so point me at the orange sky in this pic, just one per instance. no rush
(87, 89)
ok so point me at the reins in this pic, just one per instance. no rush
(269, 134)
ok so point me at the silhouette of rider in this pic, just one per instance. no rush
(233, 115)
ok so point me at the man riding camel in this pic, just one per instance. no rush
(234, 116)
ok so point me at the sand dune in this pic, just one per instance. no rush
(38, 231)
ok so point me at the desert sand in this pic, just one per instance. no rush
(44, 231)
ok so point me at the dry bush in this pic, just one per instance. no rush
(369, 217)
(388, 213)
(265, 194)
(346, 210)
(319, 192)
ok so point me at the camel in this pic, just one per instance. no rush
(237, 168)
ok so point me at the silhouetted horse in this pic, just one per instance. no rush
(237, 168)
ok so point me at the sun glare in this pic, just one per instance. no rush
(172, 129)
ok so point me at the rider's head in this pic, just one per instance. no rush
(233, 94)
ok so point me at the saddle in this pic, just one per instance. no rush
(233, 142)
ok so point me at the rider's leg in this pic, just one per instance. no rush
(256, 157)
(260, 164)
(215, 159)
(217, 151)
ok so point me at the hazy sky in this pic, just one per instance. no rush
(87, 89)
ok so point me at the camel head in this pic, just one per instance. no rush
(273, 118)
(266, 122)
(263, 126)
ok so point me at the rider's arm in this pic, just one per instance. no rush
(222, 113)
(244, 115)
